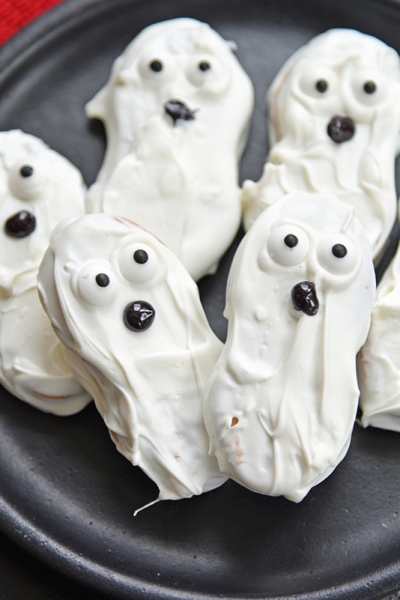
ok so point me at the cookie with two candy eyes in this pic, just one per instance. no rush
(176, 109)
(38, 188)
(334, 126)
(137, 338)
(281, 402)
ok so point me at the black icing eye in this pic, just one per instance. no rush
(156, 66)
(204, 65)
(139, 315)
(369, 87)
(20, 225)
(291, 240)
(321, 86)
(141, 257)
(339, 250)
(102, 280)
(26, 171)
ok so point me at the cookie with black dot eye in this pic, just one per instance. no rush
(281, 403)
(39, 188)
(174, 85)
(136, 335)
(334, 125)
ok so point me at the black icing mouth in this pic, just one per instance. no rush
(139, 315)
(341, 129)
(177, 110)
(20, 225)
(305, 299)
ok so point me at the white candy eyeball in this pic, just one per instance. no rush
(370, 87)
(156, 67)
(318, 82)
(28, 177)
(338, 254)
(288, 245)
(208, 73)
(138, 263)
(96, 284)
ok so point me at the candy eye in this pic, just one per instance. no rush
(27, 178)
(337, 254)
(288, 245)
(96, 284)
(209, 74)
(138, 263)
(370, 87)
(156, 69)
(318, 82)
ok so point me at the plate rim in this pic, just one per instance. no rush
(21, 529)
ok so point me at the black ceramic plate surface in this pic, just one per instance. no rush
(66, 495)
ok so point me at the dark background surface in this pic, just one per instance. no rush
(66, 496)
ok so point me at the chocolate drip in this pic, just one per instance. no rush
(305, 299)
(139, 315)
(341, 129)
(178, 110)
(21, 224)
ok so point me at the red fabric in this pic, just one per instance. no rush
(14, 14)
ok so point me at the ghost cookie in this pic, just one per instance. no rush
(176, 111)
(39, 187)
(334, 123)
(137, 338)
(282, 400)
(378, 361)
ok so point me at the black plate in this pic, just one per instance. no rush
(66, 494)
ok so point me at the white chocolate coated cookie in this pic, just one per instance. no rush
(139, 341)
(282, 400)
(379, 359)
(176, 110)
(334, 124)
(38, 188)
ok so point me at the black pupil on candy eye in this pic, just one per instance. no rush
(369, 87)
(102, 280)
(204, 65)
(321, 86)
(156, 66)
(141, 257)
(339, 250)
(26, 171)
(291, 240)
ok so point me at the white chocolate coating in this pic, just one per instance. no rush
(303, 157)
(32, 363)
(147, 385)
(282, 400)
(176, 178)
(379, 360)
